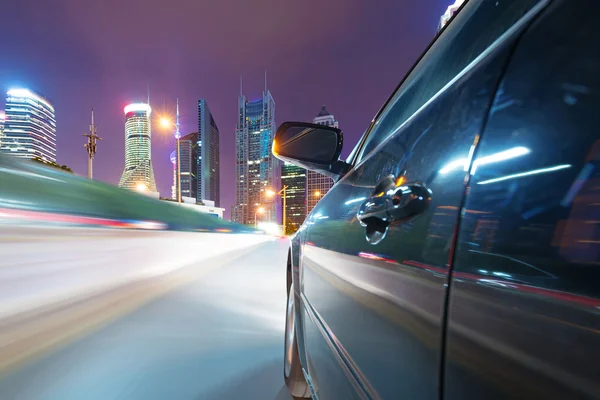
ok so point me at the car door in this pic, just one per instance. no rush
(374, 296)
(525, 292)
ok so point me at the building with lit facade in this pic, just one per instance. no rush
(207, 160)
(188, 147)
(29, 126)
(138, 173)
(1, 126)
(256, 167)
(318, 184)
(295, 198)
(450, 11)
(173, 158)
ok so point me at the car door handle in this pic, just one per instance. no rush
(391, 203)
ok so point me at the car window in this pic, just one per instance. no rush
(471, 31)
(533, 200)
(525, 291)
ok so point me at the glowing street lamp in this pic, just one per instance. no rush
(261, 211)
(141, 187)
(282, 193)
(317, 194)
(166, 123)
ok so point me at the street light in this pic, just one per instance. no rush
(141, 187)
(271, 193)
(167, 123)
(260, 210)
(317, 194)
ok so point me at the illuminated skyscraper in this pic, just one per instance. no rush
(29, 126)
(318, 184)
(295, 203)
(138, 173)
(188, 147)
(207, 162)
(1, 126)
(449, 13)
(256, 167)
(173, 158)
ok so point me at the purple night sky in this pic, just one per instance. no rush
(347, 54)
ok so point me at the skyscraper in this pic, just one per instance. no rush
(188, 147)
(295, 202)
(207, 161)
(449, 13)
(1, 126)
(318, 184)
(256, 167)
(138, 173)
(173, 159)
(29, 126)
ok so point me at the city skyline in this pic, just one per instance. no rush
(352, 66)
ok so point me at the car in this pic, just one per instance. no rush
(457, 255)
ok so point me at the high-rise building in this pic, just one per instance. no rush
(207, 161)
(318, 184)
(138, 173)
(188, 156)
(1, 126)
(173, 158)
(450, 11)
(295, 199)
(29, 126)
(256, 167)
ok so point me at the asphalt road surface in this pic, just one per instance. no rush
(217, 335)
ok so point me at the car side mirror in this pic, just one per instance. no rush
(310, 146)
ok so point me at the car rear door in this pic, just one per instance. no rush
(525, 292)
(374, 298)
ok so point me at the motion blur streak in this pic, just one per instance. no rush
(41, 265)
(47, 267)
(34, 193)
(216, 335)
(76, 255)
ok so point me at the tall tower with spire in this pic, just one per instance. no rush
(256, 169)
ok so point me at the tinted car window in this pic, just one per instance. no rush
(525, 294)
(473, 29)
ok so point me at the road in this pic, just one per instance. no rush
(217, 335)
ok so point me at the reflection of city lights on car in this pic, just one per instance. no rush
(502, 156)
(522, 174)
(355, 200)
(456, 164)
(463, 163)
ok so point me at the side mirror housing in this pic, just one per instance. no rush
(310, 146)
